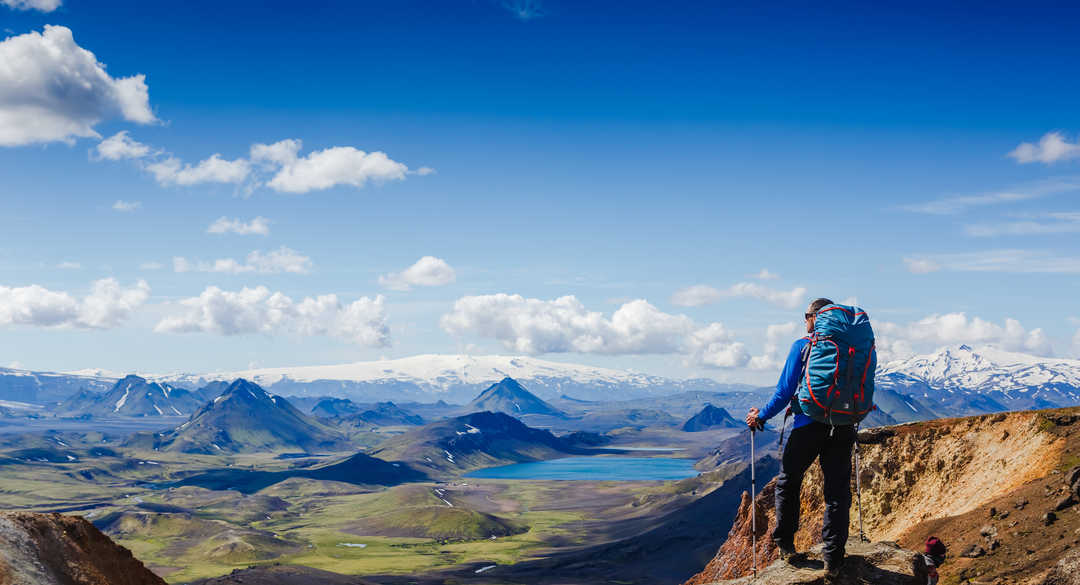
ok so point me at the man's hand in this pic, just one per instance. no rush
(752, 419)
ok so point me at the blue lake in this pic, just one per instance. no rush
(594, 468)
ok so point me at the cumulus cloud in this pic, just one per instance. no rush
(1010, 260)
(51, 89)
(766, 275)
(1051, 148)
(323, 169)
(106, 306)
(41, 5)
(902, 340)
(69, 265)
(120, 146)
(223, 225)
(126, 206)
(427, 271)
(278, 166)
(536, 326)
(173, 171)
(777, 340)
(151, 266)
(257, 310)
(700, 294)
(276, 261)
(715, 346)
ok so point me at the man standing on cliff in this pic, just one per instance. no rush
(830, 441)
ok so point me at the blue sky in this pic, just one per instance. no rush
(612, 152)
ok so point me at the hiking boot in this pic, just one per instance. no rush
(787, 553)
(832, 573)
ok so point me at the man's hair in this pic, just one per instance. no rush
(818, 304)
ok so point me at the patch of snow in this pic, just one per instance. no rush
(482, 569)
(123, 399)
(70, 458)
(352, 544)
(447, 503)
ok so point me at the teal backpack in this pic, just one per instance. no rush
(837, 384)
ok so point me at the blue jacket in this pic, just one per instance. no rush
(788, 384)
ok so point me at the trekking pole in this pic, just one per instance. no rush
(753, 504)
(858, 483)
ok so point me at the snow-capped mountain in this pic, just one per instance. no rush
(959, 380)
(454, 378)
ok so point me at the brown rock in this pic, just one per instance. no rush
(1065, 502)
(1048, 518)
(974, 551)
(51, 549)
(1066, 571)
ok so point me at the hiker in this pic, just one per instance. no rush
(827, 383)
(933, 557)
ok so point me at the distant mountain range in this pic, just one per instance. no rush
(454, 378)
(134, 396)
(953, 381)
(961, 381)
(243, 418)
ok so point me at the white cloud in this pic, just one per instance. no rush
(257, 310)
(423, 171)
(897, 341)
(41, 5)
(126, 206)
(766, 275)
(715, 346)
(427, 271)
(323, 169)
(696, 296)
(276, 261)
(536, 326)
(1063, 222)
(172, 171)
(51, 89)
(774, 354)
(700, 294)
(120, 146)
(957, 204)
(921, 265)
(69, 265)
(1052, 147)
(151, 266)
(1010, 260)
(107, 306)
(223, 225)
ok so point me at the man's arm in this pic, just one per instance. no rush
(788, 383)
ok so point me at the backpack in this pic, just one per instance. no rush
(837, 385)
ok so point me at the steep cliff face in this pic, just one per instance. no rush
(50, 549)
(996, 488)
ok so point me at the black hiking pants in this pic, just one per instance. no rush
(805, 444)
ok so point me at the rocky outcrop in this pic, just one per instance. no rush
(986, 483)
(881, 563)
(51, 549)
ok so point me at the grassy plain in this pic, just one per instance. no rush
(188, 533)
